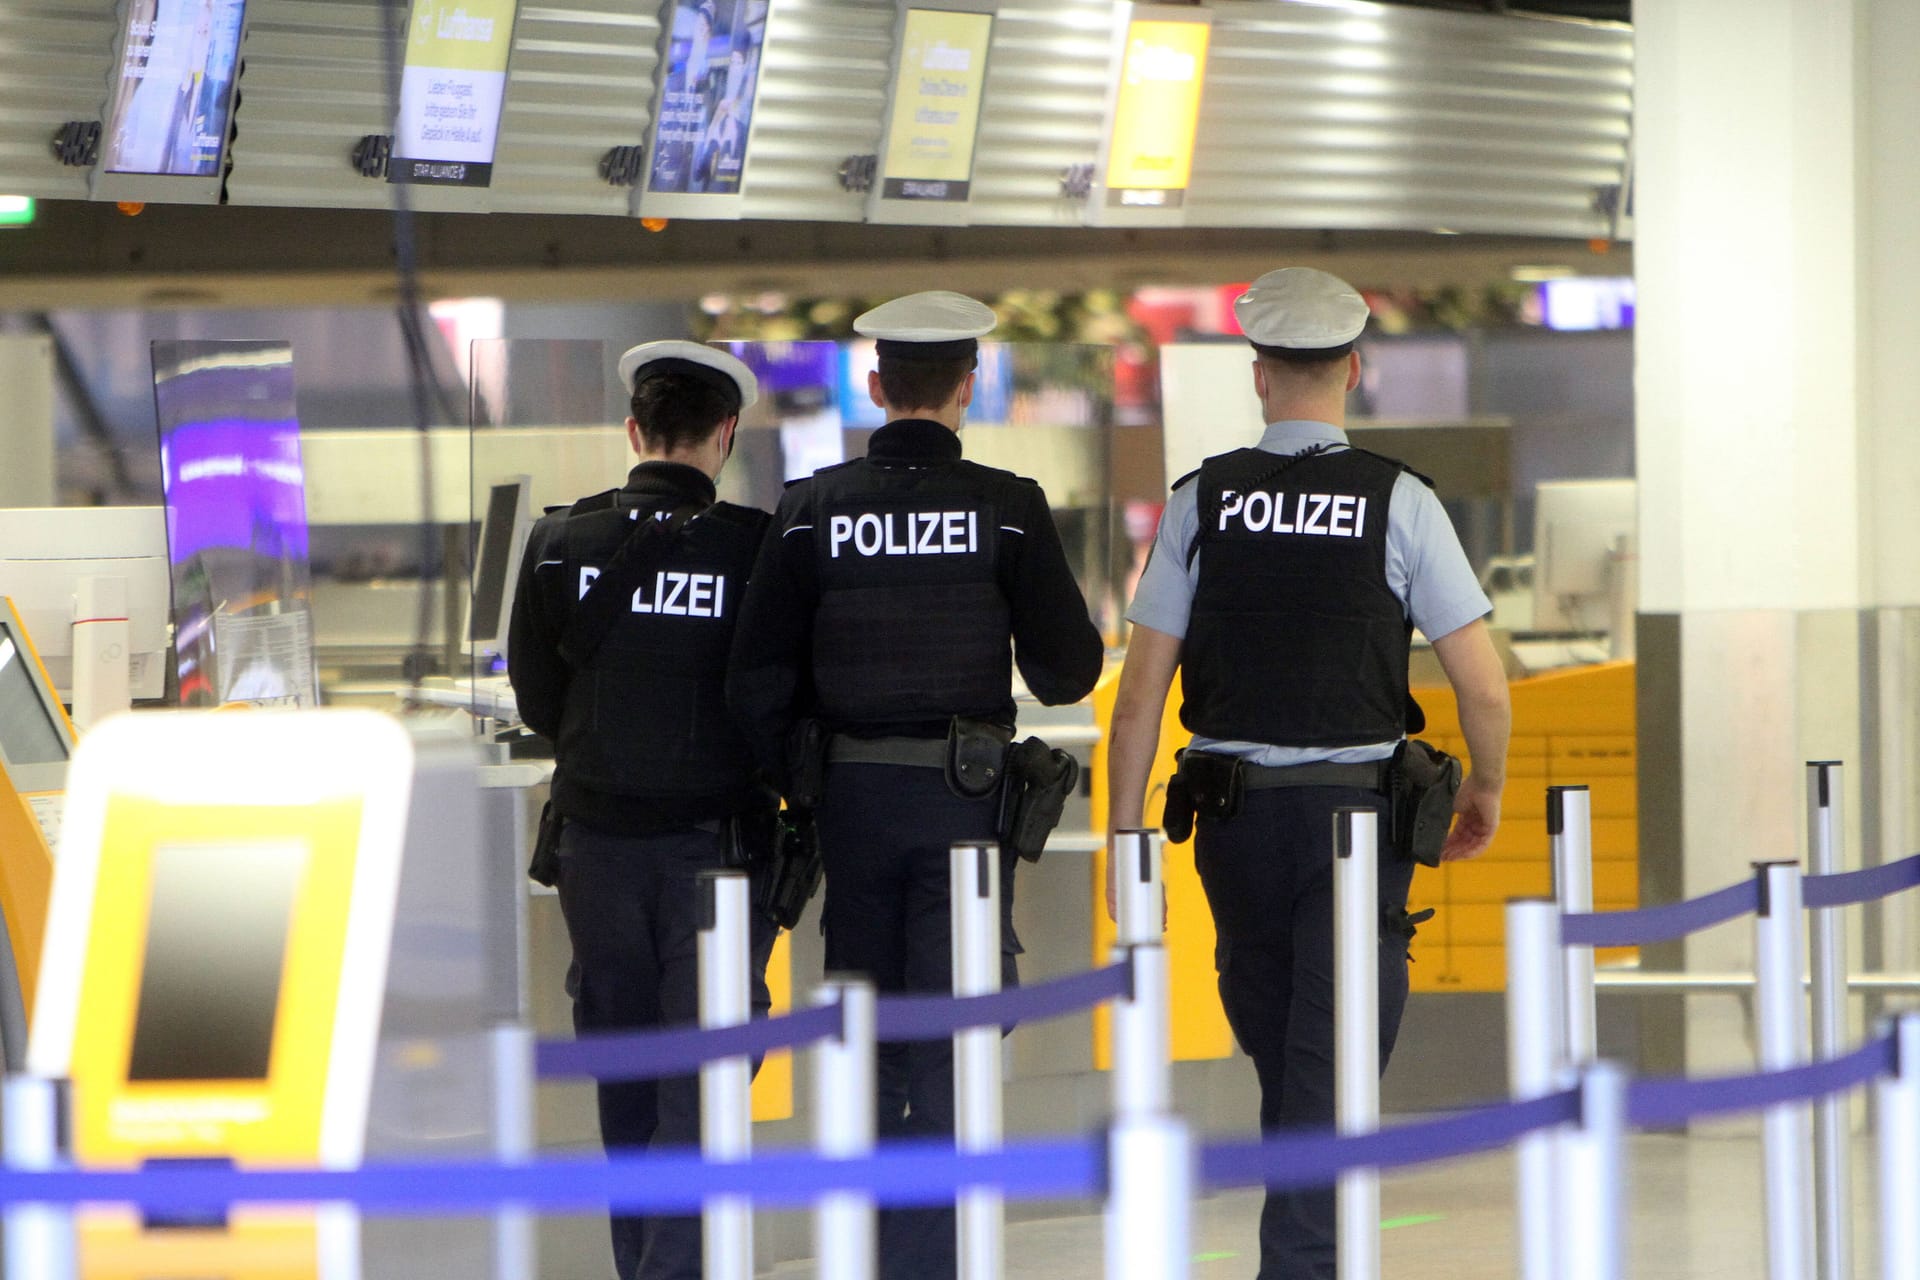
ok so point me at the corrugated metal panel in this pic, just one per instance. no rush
(313, 84)
(55, 56)
(1044, 109)
(822, 92)
(1377, 117)
(580, 82)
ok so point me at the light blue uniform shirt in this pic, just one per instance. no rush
(1426, 569)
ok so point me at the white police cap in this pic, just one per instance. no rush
(1300, 309)
(716, 368)
(936, 325)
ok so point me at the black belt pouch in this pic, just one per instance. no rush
(1217, 783)
(806, 764)
(976, 756)
(544, 867)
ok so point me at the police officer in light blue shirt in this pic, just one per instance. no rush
(1285, 582)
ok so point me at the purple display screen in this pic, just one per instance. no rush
(235, 485)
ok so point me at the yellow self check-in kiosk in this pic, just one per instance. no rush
(36, 741)
(216, 958)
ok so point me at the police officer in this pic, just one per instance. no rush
(617, 653)
(1284, 582)
(881, 611)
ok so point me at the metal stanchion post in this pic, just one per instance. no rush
(1140, 901)
(1780, 949)
(843, 1125)
(726, 1115)
(1356, 1028)
(1899, 1148)
(1535, 1032)
(1593, 1177)
(513, 1141)
(1570, 832)
(975, 891)
(1151, 1154)
(1832, 1223)
(1150, 1199)
(39, 1238)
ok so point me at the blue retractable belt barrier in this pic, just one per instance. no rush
(1315, 1159)
(1659, 924)
(678, 1051)
(1656, 1104)
(1847, 888)
(916, 1173)
(934, 1017)
(656, 1054)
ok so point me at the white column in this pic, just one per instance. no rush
(1776, 261)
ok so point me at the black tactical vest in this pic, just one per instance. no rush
(1295, 638)
(912, 624)
(646, 716)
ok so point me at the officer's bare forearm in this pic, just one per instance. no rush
(1152, 657)
(1486, 713)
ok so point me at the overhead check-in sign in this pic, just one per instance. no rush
(451, 92)
(940, 72)
(705, 107)
(1153, 112)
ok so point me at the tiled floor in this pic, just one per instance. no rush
(1695, 1216)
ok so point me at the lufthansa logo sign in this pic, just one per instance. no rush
(1328, 515)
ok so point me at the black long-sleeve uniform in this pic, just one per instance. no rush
(922, 616)
(892, 594)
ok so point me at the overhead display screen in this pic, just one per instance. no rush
(1156, 110)
(451, 92)
(936, 106)
(174, 95)
(712, 72)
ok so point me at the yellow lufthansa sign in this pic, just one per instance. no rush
(1151, 154)
(936, 106)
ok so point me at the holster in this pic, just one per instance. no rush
(1177, 818)
(794, 874)
(544, 866)
(806, 764)
(1039, 780)
(1425, 782)
(976, 756)
(1216, 784)
(752, 835)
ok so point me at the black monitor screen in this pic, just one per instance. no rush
(172, 97)
(28, 734)
(216, 945)
(496, 552)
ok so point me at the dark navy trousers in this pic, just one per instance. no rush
(631, 912)
(885, 834)
(1268, 875)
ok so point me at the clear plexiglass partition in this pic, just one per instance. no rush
(235, 485)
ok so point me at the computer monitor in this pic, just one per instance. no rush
(35, 738)
(496, 569)
(46, 553)
(1580, 530)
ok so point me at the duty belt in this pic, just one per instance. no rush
(1365, 777)
(924, 753)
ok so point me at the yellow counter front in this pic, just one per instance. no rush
(1575, 726)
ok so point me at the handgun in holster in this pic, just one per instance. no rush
(1425, 781)
(793, 874)
(752, 834)
(1039, 780)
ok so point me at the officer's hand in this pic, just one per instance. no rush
(1476, 816)
(1113, 900)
